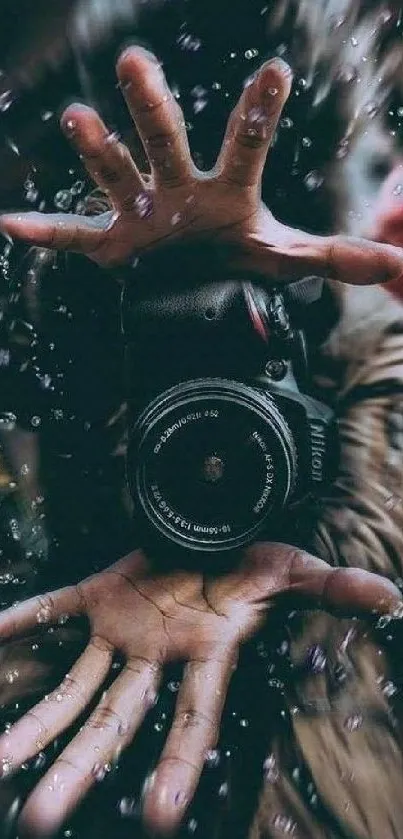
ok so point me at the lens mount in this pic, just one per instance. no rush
(210, 461)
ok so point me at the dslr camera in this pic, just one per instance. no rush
(226, 438)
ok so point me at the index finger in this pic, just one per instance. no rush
(194, 731)
(43, 609)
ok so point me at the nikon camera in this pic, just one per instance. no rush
(225, 438)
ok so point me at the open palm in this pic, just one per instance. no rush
(179, 201)
(152, 620)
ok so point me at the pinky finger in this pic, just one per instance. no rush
(61, 231)
(43, 609)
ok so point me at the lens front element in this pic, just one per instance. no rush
(210, 461)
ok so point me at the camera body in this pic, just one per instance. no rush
(224, 436)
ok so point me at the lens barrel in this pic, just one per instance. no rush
(210, 461)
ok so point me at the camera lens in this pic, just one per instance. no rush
(210, 461)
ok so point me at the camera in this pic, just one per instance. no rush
(225, 435)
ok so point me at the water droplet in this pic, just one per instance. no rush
(6, 765)
(7, 421)
(252, 53)
(143, 205)
(11, 676)
(32, 196)
(244, 723)
(113, 137)
(43, 614)
(6, 100)
(354, 42)
(127, 807)
(199, 105)
(313, 180)
(270, 769)
(63, 199)
(284, 823)
(223, 790)
(176, 219)
(212, 758)
(77, 188)
(192, 826)
(189, 42)
(316, 659)
(389, 689)
(286, 122)
(13, 146)
(61, 621)
(383, 621)
(158, 726)
(306, 142)
(354, 722)
(99, 770)
(273, 91)
(398, 190)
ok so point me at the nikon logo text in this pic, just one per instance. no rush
(318, 445)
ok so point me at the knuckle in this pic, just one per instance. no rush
(80, 593)
(191, 718)
(163, 139)
(100, 644)
(42, 729)
(108, 174)
(250, 139)
(70, 688)
(46, 608)
(105, 717)
(129, 203)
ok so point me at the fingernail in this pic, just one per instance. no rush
(137, 48)
(281, 65)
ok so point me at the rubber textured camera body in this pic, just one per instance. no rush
(225, 437)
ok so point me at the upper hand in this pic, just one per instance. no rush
(179, 201)
(152, 620)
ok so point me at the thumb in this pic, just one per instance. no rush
(344, 591)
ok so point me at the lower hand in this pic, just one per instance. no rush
(151, 621)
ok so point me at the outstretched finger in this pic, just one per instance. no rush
(158, 117)
(107, 160)
(346, 591)
(61, 231)
(194, 732)
(43, 609)
(253, 123)
(43, 723)
(295, 254)
(92, 753)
